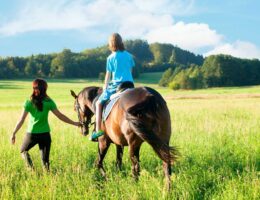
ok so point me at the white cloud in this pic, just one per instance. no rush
(173, 7)
(136, 26)
(240, 49)
(192, 36)
(47, 15)
(152, 20)
(80, 14)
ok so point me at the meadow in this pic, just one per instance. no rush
(216, 130)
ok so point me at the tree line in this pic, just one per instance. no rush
(216, 71)
(182, 69)
(91, 62)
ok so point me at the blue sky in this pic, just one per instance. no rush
(202, 26)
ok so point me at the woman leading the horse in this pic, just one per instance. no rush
(38, 131)
(119, 69)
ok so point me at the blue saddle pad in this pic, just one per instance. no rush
(108, 107)
(110, 104)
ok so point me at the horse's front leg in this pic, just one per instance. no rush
(119, 155)
(103, 145)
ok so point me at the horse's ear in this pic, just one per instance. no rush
(73, 94)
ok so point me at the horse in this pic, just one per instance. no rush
(140, 115)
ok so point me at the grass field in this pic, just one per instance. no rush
(217, 131)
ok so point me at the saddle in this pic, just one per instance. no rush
(123, 87)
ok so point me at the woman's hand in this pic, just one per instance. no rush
(13, 139)
(78, 124)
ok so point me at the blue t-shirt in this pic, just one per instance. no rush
(120, 64)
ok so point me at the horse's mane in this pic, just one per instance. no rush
(90, 93)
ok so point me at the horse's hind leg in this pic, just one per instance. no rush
(103, 145)
(119, 155)
(134, 155)
(167, 171)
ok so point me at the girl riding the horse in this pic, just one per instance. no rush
(119, 65)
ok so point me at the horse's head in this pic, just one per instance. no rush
(83, 107)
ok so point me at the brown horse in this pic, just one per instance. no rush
(141, 114)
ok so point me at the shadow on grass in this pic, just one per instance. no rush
(52, 80)
(9, 86)
(89, 80)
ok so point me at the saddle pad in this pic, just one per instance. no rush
(110, 104)
(108, 107)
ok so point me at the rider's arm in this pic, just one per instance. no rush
(107, 78)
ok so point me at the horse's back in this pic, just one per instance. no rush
(134, 96)
(138, 95)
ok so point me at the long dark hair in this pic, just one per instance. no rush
(39, 93)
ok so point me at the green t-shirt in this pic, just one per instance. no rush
(38, 122)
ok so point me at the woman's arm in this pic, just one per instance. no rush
(19, 125)
(64, 118)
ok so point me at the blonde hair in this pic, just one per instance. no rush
(115, 42)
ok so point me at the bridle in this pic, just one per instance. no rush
(87, 124)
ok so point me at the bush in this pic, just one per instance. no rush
(175, 86)
(101, 76)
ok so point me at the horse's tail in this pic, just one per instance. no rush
(143, 119)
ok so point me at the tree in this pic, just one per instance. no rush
(211, 71)
(161, 52)
(11, 68)
(30, 67)
(63, 65)
(43, 64)
(164, 81)
(140, 49)
(101, 76)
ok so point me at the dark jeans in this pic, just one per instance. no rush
(44, 142)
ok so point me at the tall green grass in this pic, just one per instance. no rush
(218, 139)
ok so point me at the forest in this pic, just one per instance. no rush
(216, 71)
(182, 69)
(91, 62)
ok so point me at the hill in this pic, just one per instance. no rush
(91, 62)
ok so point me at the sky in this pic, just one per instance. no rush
(204, 27)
